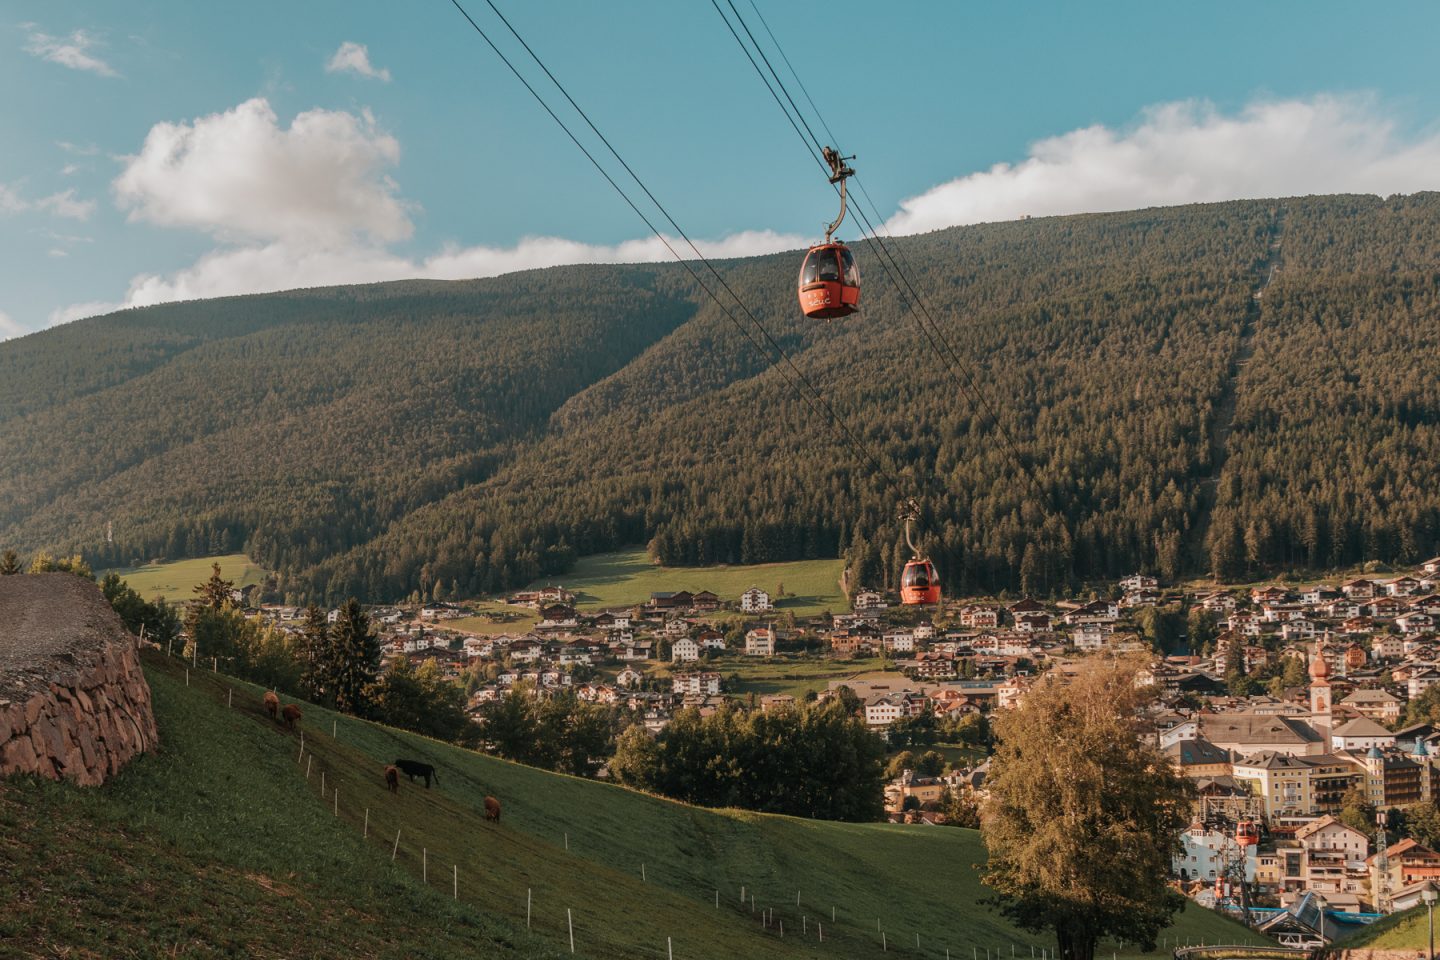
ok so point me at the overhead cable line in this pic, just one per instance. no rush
(815, 400)
(897, 274)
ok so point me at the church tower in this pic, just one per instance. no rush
(1320, 696)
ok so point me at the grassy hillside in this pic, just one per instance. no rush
(629, 577)
(1401, 931)
(220, 845)
(177, 580)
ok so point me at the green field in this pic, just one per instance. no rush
(220, 845)
(796, 676)
(177, 580)
(628, 577)
(507, 619)
(1400, 931)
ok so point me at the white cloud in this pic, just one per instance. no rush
(1189, 152)
(70, 169)
(239, 176)
(11, 201)
(355, 58)
(64, 204)
(10, 328)
(72, 51)
(314, 206)
(58, 252)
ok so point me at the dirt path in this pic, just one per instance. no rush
(1224, 416)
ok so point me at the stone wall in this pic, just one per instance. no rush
(74, 703)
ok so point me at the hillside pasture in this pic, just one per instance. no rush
(178, 579)
(492, 619)
(628, 577)
(633, 870)
(259, 855)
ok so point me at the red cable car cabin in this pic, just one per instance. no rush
(919, 584)
(829, 282)
(1247, 833)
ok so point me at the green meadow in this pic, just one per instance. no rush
(629, 577)
(231, 841)
(177, 580)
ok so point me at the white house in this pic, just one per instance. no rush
(760, 642)
(1413, 623)
(900, 641)
(684, 650)
(869, 600)
(883, 711)
(629, 677)
(1138, 581)
(1402, 587)
(1361, 734)
(697, 684)
(755, 600)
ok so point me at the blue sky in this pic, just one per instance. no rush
(159, 149)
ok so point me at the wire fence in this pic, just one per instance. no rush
(772, 910)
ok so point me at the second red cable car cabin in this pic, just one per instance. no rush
(829, 282)
(919, 583)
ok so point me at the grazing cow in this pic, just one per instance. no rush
(392, 779)
(272, 704)
(291, 713)
(492, 809)
(414, 768)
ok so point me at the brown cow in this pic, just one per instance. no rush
(492, 809)
(392, 779)
(272, 704)
(291, 713)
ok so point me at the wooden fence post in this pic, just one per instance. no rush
(395, 849)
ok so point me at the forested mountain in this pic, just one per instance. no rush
(382, 439)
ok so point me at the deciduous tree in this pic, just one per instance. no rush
(1083, 816)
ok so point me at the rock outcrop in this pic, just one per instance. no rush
(74, 703)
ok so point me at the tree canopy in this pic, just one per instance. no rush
(1083, 816)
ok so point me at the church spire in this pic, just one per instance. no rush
(1320, 702)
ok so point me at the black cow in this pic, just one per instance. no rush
(414, 768)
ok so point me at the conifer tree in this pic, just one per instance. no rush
(215, 592)
(354, 657)
(317, 669)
